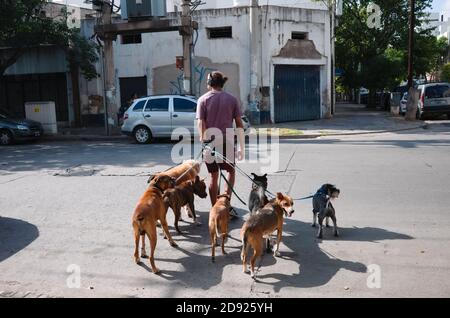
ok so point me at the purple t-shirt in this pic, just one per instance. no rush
(218, 110)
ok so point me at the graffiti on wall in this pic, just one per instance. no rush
(200, 73)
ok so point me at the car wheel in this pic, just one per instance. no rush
(142, 135)
(5, 137)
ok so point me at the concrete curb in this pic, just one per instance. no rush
(84, 138)
(313, 136)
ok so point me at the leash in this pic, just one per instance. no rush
(220, 156)
(304, 198)
(232, 188)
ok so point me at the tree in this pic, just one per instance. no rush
(23, 26)
(375, 55)
(445, 75)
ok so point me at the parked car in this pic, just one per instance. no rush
(403, 103)
(157, 116)
(12, 129)
(434, 99)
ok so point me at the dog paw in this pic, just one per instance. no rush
(277, 254)
(173, 244)
(144, 256)
(137, 260)
(156, 271)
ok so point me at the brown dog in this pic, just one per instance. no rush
(218, 222)
(263, 223)
(182, 195)
(187, 171)
(148, 211)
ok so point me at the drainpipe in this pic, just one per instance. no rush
(255, 62)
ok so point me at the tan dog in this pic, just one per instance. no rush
(188, 170)
(148, 211)
(183, 195)
(263, 223)
(218, 223)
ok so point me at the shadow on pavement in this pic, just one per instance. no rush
(15, 235)
(316, 266)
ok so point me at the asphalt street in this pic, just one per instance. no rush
(68, 205)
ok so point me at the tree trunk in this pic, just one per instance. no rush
(412, 103)
(75, 76)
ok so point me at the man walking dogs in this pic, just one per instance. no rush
(216, 111)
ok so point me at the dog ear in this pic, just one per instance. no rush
(265, 176)
(197, 179)
(280, 196)
(254, 175)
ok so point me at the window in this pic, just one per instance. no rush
(182, 105)
(219, 33)
(139, 106)
(131, 38)
(300, 35)
(157, 105)
(437, 91)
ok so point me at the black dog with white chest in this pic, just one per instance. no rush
(322, 207)
(258, 198)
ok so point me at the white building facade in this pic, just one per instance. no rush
(281, 51)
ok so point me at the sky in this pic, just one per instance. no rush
(438, 5)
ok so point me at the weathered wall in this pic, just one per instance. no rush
(168, 80)
(155, 56)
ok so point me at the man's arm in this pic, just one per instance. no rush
(240, 136)
(201, 129)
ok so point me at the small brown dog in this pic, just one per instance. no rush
(183, 195)
(218, 222)
(263, 223)
(187, 171)
(148, 211)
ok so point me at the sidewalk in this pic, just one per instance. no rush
(349, 119)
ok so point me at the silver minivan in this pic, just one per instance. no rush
(434, 99)
(157, 116)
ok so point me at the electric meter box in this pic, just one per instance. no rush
(136, 9)
(43, 112)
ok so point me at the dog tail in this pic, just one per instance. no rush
(244, 242)
(140, 220)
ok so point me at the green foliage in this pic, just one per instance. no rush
(22, 26)
(376, 58)
(445, 74)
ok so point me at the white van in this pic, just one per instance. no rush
(434, 99)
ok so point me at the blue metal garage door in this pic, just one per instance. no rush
(297, 93)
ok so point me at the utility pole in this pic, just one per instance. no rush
(332, 9)
(411, 43)
(255, 60)
(413, 94)
(186, 32)
(109, 72)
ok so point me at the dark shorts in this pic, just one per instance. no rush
(228, 150)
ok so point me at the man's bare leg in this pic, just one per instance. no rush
(231, 179)
(213, 187)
